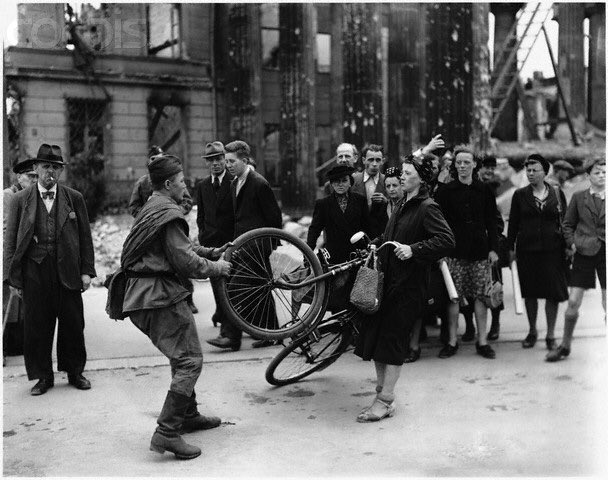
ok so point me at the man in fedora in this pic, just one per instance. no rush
(49, 262)
(215, 214)
(25, 176)
(139, 196)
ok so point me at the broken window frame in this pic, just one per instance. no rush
(175, 33)
(324, 67)
(98, 120)
(270, 35)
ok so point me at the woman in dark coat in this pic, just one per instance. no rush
(340, 215)
(535, 239)
(424, 236)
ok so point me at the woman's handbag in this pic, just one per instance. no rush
(494, 293)
(366, 294)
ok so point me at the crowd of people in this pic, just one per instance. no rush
(438, 204)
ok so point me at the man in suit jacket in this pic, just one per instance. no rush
(49, 261)
(215, 214)
(370, 185)
(584, 228)
(255, 206)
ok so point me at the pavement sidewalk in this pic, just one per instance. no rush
(465, 416)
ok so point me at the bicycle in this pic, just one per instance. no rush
(277, 289)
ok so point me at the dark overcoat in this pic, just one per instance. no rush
(215, 214)
(420, 224)
(75, 255)
(255, 206)
(338, 226)
(531, 230)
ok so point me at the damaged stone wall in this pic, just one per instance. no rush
(450, 71)
(362, 60)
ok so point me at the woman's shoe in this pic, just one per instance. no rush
(485, 351)
(448, 351)
(412, 355)
(558, 354)
(378, 391)
(550, 342)
(530, 340)
(388, 410)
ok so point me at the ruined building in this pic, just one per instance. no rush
(293, 80)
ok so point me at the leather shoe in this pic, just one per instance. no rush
(558, 354)
(485, 351)
(550, 342)
(530, 340)
(77, 380)
(225, 343)
(448, 351)
(263, 343)
(412, 355)
(42, 386)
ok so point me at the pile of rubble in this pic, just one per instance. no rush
(110, 231)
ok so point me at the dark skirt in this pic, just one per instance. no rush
(385, 335)
(542, 275)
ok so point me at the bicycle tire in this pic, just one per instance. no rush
(306, 355)
(249, 295)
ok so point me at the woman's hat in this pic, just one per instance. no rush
(537, 157)
(340, 171)
(26, 166)
(49, 153)
(214, 149)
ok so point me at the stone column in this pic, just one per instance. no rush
(504, 17)
(570, 58)
(482, 105)
(597, 65)
(297, 134)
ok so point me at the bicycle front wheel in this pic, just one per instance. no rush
(262, 260)
(309, 354)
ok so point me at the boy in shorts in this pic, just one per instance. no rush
(585, 233)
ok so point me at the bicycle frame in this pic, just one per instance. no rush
(331, 272)
(342, 267)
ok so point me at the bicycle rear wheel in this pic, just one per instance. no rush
(252, 295)
(308, 354)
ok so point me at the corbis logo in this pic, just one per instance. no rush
(99, 33)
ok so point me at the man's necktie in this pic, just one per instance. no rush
(48, 195)
(216, 184)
